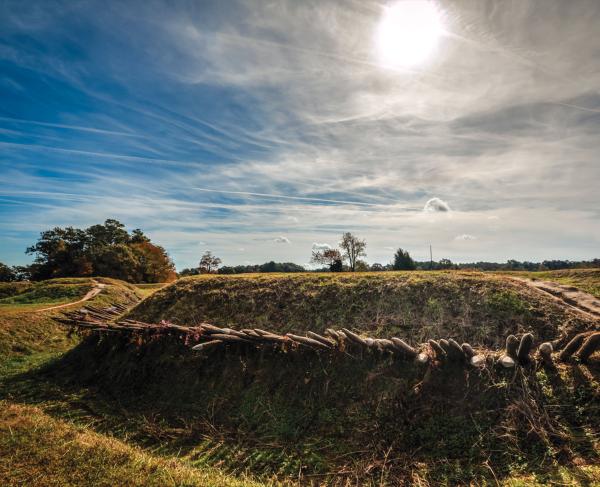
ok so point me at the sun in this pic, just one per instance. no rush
(408, 33)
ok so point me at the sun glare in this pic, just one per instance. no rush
(408, 33)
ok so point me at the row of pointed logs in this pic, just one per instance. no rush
(582, 346)
(518, 350)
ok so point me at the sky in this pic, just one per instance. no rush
(261, 130)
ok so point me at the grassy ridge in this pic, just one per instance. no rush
(468, 306)
(278, 415)
(24, 331)
(340, 419)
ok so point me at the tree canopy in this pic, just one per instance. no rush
(101, 250)
(403, 261)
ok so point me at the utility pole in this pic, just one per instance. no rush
(430, 258)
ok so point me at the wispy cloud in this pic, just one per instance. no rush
(249, 122)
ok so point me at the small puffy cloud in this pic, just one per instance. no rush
(321, 246)
(282, 239)
(465, 236)
(436, 205)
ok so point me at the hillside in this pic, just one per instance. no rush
(286, 415)
(469, 306)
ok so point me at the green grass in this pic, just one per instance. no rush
(24, 331)
(137, 412)
(468, 306)
(146, 289)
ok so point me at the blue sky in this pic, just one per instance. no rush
(258, 130)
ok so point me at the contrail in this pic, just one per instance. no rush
(71, 127)
(281, 196)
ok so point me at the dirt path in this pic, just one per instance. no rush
(97, 289)
(568, 295)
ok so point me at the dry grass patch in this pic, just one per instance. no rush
(42, 451)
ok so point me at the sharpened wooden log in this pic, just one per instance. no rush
(572, 347)
(263, 332)
(525, 349)
(455, 352)
(545, 351)
(478, 360)
(439, 352)
(354, 337)
(319, 338)
(512, 346)
(211, 329)
(308, 341)
(422, 359)
(445, 344)
(507, 362)
(589, 346)
(468, 350)
(206, 345)
(404, 348)
(333, 334)
(228, 338)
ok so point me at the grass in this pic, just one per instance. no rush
(161, 415)
(40, 450)
(146, 289)
(468, 306)
(24, 331)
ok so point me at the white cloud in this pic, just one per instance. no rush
(436, 205)
(321, 246)
(465, 236)
(282, 239)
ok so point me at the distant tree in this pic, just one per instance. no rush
(376, 267)
(403, 261)
(7, 274)
(209, 263)
(445, 264)
(352, 248)
(329, 257)
(191, 271)
(361, 266)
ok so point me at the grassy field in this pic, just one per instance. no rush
(130, 412)
(148, 289)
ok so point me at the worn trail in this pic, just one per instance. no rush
(568, 295)
(97, 289)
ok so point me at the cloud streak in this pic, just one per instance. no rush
(244, 123)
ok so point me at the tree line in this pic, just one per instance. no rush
(109, 250)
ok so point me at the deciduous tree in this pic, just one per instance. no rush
(353, 248)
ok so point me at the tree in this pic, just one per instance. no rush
(352, 248)
(209, 263)
(361, 266)
(403, 261)
(7, 274)
(377, 267)
(103, 250)
(329, 257)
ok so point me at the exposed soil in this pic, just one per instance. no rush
(570, 296)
